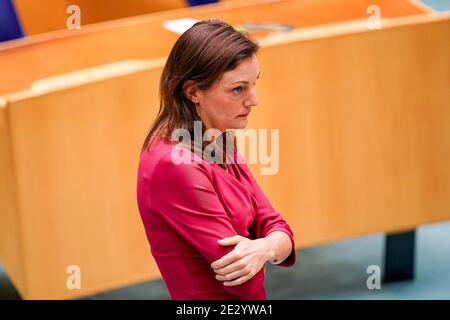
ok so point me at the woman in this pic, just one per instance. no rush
(210, 228)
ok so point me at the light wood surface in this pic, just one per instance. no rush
(364, 130)
(75, 154)
(50, 15)
(364, 147)
(11, 246)
(66, 51)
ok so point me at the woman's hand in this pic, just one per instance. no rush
(241, 264)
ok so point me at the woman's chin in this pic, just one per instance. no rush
(240, 123)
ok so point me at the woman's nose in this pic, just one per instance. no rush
(252, 99)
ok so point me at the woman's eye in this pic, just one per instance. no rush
(237, 90)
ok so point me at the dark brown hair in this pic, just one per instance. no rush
(202, 53)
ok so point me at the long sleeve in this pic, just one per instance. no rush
(184, 196)
(268, 220)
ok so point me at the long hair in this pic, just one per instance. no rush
(202, 54)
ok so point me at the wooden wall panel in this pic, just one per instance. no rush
(364, 127)
(76, 152)
(50, 15)
(11, 241)
(145, 38)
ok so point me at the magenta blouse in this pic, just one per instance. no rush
(186, 208)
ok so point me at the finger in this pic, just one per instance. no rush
(233, 275)
(230, 240)
(227, 259)
(239, 280)
(237, 265)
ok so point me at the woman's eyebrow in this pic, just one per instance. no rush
(245, 81)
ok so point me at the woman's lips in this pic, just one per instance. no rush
(244, 115)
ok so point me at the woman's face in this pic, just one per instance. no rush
(227, 104)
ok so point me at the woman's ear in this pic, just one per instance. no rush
(191, 91)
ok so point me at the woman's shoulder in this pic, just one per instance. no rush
(166, 159)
